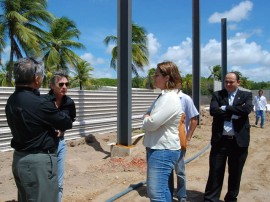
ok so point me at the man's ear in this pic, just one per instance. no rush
(38, 80)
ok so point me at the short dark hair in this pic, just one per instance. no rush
(236, 74)
(25, 70)
(260, 91)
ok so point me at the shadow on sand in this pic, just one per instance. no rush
(92, 141)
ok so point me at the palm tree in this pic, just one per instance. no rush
(21, 19)
(245, 83)
(215, 72)
(82, 72)
(187, 84)
(2, 41)
(4, 75)
(137, 82)
(57, 49)
(149, 81)
(139, 49)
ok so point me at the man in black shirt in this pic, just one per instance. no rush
(33, 122)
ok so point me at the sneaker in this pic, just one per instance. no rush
(182, 200)
(256, 123)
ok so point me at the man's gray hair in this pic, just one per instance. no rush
(58, 75)
(25, 70)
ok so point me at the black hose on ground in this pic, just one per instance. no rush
(132, 187)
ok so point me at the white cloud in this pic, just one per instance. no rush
(181, 55)
(211, 53)
(109, 48)
(266, 58)
(236, 14)
(153, 48)
(257, 74)
(247, 57)
(91, 59)
(240, 52)
(153, 44)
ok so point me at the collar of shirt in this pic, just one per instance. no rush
(180, 94)
(233, 93)
(27, 88)
(168, 90)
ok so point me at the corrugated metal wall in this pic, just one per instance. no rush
(96, 112)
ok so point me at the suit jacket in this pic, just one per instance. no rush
(241, 107)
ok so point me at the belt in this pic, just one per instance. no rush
(47, 151)
(42, 151)
(228, 137)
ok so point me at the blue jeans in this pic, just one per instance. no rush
(181, 191)
(260, 113)
(160, 164)
(61, 156)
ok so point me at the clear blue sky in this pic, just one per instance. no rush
(169, 27)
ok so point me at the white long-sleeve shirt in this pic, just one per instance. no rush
(260, 103)
(161, 127)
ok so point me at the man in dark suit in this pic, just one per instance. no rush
(230, 108)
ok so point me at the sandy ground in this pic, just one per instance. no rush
(91, 174)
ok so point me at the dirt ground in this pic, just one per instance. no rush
(91, 174)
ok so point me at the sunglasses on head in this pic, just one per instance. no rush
(62, 84)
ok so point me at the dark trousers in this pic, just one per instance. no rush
(225, 150)
(35, 176)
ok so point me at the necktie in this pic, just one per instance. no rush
(228, 124)
(231, 97)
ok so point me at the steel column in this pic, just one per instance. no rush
(124, 72)
(223, 50)
(196, 70)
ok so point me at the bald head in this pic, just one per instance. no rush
(232, 82)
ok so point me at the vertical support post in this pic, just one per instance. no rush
(223, 50)
(124, 72)
(196, 79)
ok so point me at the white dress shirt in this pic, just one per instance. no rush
(161, 127)
(228, 126)
(260, 103)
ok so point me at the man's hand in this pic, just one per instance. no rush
(223, 108)
(59, 133)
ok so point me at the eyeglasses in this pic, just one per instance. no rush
(62, 84)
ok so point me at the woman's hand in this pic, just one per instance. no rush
(146, 115)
